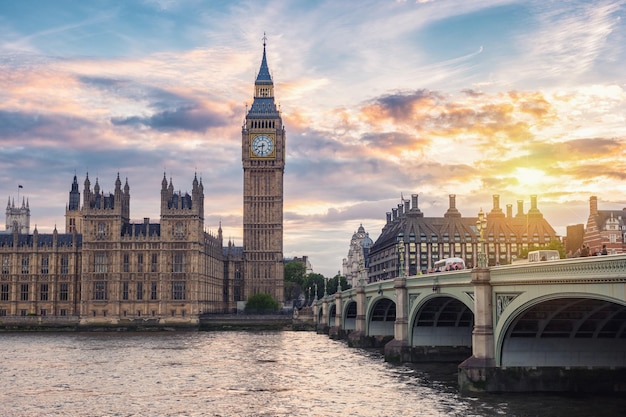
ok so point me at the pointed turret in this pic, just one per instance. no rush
(263, 104)
(74, 203)
(264, 77)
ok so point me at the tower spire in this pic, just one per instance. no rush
(264, 77)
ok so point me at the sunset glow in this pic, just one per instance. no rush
(380, 99)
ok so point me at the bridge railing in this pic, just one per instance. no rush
(579, 269)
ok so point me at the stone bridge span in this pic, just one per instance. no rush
(558, 325)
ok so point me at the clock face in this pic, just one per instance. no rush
(262, 145)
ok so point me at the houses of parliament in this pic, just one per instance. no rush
(106, 269)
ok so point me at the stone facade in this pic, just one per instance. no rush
(107, 269)
(18, 218)
(356, 263)
(263, 157)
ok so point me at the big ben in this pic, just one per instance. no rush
(263, 157)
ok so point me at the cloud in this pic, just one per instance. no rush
(184, 118)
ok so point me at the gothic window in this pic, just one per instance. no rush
(25, 264)
(44, 264)
(126, 262)
(125, 290)
(179, 230)
(43, 292)
(63, 291)
(6, 265)
(100, 262)
(4, 292)
(24, 292)
(177, 262)
(153, 292)
(154, 263)
(101, 230)
(140, 262)
(65, 265)
(100, 290)
(140, 291)
(178, 290)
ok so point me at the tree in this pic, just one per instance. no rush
(310, 283)
(261, 303)
(332, 284)
(295, 274)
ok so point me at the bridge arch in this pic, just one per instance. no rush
(332, 314)
(381, 317)
(576, 329)
(441, 320)
(349, 315)
(320, 315)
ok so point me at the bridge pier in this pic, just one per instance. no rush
(399, 349)
(336, 331)
(476, 372)
(323, 326)
(358, 337)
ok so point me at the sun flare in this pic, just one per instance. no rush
(529, 177)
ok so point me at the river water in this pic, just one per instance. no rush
(242, 374)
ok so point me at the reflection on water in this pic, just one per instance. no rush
(240, 374)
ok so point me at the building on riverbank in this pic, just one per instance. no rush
(418, 241)
(108, 269)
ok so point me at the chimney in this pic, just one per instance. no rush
(414, 201)
(509, 210)
(520, 207)
(496, 202)
(395, 213)
(407, 206)
(388, 217)
(533, 202)
(400, 210)
(452, 198)
(593, 205)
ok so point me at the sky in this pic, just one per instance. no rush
(380, 100)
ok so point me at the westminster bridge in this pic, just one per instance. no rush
(545, 326)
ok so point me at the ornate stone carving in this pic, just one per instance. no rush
(502, 302)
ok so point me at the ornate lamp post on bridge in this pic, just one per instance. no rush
(338, 281)
(481, 227)
(361, 272)
(401, 255)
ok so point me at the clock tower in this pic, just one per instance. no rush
(263, 157)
